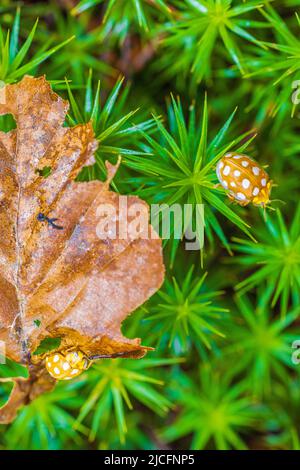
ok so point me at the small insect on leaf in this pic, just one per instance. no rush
(51, 222)
(246, 181)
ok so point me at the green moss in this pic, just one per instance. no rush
(200, 78)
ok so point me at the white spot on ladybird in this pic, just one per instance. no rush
(255, 191)
(66, 366)
(221, 164)
(226, 170)
(241, 196)
(56, 358)
(233, 184)
(245, 183)
(256, 170)
(74, 371)
(245, 163)
(218, 172)
(237, 157)
(56, 371)
(224, 184)
(236, 173)
(263, 182)
(49, 364)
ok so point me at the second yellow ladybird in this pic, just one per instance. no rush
(66, 366)
(245, 180)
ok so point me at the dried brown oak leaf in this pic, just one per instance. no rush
(67, 283)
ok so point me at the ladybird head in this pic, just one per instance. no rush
(263, 198)
(66, 366)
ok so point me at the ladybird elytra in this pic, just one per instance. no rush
(66, 366)
(244, 179)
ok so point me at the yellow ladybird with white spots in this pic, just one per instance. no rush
(66, 366)
(246, 181)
